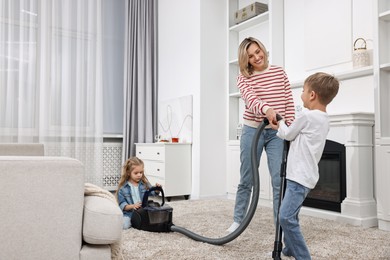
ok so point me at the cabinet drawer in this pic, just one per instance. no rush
(156, 169)
(153, 180)
(150, 152)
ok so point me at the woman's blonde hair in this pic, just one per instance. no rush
(127, 168)
(246, 69)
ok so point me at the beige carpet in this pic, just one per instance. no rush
(326, 239)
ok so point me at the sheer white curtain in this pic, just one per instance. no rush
(51, 78)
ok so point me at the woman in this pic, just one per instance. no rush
(266, 92)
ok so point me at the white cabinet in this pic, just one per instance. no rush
(382, 72)
(233, 160)
(169, 165)
(382, 111)
(268, 27)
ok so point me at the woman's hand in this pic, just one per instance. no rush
(271, 116)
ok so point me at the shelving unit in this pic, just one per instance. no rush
(251, 22)
(268, 28)
(383, 73)
(351, 74)
(382, 110)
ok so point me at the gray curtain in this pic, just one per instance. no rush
(140, 84)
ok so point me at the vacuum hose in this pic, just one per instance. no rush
(252, 208)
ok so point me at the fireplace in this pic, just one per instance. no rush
(330, 190)
(355, 132)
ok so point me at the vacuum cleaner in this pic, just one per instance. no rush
(163, 221)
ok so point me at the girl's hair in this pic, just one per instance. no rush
(324, 85)
(246, 69)
(127, 168)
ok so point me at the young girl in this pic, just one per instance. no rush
(131, 188)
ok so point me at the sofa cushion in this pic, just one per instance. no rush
(102, 223)
(95, 252)
(16, 149)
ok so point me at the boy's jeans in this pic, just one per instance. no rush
(273, 146)
(295, 244)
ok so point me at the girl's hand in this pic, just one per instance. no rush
(137, 205)
(157, 191)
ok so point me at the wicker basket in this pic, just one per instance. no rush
(361, 56)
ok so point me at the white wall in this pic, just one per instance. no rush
(329, 36)
(178, 48)
(192, 61)
(213, 93)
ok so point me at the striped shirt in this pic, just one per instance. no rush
(266, 89)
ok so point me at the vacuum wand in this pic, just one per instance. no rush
(278, 245)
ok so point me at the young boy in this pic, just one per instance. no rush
(307, 134)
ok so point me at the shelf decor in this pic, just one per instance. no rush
(360, 57)
(250, 11)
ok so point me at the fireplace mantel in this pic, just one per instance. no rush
(355, 131)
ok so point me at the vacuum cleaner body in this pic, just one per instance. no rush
(152, 216)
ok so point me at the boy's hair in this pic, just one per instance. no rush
(243, 61)
(127, 168)
(324, 85)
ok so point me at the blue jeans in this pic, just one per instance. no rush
(126, 222)
(294, 242)
(273, 146)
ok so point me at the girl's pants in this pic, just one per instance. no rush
(126, 222)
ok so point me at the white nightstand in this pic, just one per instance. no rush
(168, 164)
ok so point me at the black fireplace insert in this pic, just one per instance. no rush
(330, 190)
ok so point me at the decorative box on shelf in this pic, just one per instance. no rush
(250, 11)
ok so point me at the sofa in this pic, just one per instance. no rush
(45, 213)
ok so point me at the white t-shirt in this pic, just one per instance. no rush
(307, 134)
(135, 193)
